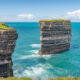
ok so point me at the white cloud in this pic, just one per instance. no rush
(26, 16)
(18, 18)
(73, 14)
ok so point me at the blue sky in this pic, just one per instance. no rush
(34, 10)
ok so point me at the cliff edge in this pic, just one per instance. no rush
(55, 36)
(7, 44)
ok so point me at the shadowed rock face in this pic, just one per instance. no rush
(7, 45)
(55, 36)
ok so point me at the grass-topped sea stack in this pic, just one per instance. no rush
(55, 36)
(7, 44)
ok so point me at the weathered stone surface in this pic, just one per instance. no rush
(7, 45)
(55, 36)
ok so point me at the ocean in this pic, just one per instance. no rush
(27, 62)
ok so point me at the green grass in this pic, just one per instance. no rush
(5, 27)
(55, 20)
(14, 78)
(62, 78)
(66, 78)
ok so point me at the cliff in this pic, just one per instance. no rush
(7, 44)
(55, 36)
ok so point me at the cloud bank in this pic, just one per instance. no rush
(27, 16)
(73, 16)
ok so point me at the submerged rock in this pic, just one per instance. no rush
(7, 44)
(55, 36)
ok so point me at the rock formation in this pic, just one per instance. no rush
(55, 36)
(7, 44)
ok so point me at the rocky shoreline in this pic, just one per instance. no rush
(55, 37)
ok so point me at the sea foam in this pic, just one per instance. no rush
(35, 56)
(34, 51)
(35, 45)
(28, 56)
(33, 71)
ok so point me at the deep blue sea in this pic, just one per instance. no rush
(27, 62)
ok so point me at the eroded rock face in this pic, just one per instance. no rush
(7, 45)
(55, 36)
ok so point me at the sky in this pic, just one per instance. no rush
(35, 10)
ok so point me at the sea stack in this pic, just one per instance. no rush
(7, 44)
(55, 36)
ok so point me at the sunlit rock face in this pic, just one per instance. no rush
(8, 38)
(55, 36)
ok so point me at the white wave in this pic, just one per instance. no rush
(47, 66)
(35, 45)
(34, 51)
(35, 56)
(33, 71)
(46, 56)
(29, 56)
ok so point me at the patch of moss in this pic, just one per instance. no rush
(50, 26)
(55, 20)
(5, 27)
(25, 79)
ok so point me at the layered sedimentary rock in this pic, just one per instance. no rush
(55, 36)
(7, 44)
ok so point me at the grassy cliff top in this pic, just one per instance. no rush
(55, 20)
(62, 78)
(15, 78)
(3, 26)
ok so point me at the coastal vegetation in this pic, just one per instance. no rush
(55, 20)
(62, 78)
(3, 26)
(15, 78)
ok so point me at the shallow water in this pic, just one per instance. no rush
(27, 62)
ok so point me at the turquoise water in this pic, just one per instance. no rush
(27, 62)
